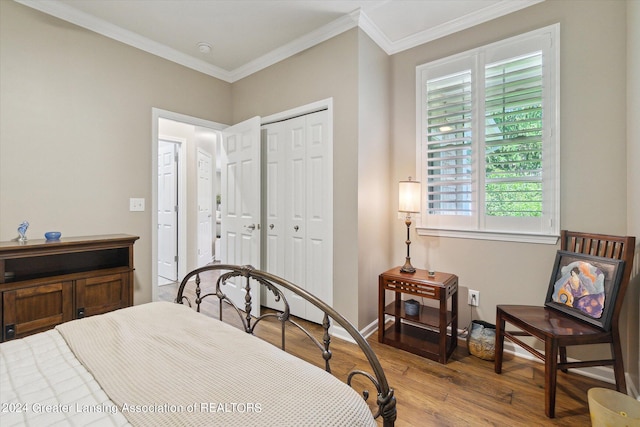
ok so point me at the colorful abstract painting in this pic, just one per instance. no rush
(584, 286)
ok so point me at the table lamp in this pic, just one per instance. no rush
(408, 202)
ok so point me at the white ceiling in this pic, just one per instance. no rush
(248, 35)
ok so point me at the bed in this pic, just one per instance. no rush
(166, 363)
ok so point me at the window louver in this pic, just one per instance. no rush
(513, 137)
(449, 133)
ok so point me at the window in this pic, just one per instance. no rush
(488, 141)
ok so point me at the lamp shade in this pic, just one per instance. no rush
(409, 196)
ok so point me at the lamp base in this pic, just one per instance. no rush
(407, 267)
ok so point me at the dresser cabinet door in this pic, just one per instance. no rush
(101, 294)
(36, 308)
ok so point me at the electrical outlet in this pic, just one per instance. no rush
(473, 298)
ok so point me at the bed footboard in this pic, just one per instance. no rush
(221, 273)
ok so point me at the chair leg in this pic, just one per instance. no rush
(499, 344)
(550, 376)
(618, 364)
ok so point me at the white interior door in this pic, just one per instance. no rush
(318, 212)
(240, 204)
(275, 138)
(204, 163)
(299, 208)
(167, 213)
(295, 229)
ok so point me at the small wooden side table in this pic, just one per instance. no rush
(424, 334)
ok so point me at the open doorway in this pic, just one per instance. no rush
(182, 209)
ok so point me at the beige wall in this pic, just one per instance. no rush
(374, 180)
(593, 151)
(328, 70)
(633, 178)
(354, 71)
(75, 129)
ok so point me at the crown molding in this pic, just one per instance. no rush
(354, 19)
(505, 7)
(74, 16)
(375, 33)
(311, 39)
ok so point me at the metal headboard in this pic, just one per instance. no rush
(386, 402)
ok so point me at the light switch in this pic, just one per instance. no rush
(136, 204)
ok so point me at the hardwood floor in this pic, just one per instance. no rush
(464, 392)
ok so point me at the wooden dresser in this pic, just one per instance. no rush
(44, 283)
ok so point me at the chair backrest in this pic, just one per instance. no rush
(602, 245)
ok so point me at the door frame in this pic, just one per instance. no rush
(156, 115)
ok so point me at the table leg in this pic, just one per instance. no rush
(381, 304)
(443, 328)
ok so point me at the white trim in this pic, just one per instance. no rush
(488, 235)
(544, 229)
(156, 114)
(311, 39)
(354, 19)
(502, 8)
(304, 109)
(374, 32)
(338, 331)
(600, 373)
(107, 29)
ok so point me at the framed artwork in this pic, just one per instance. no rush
(585, 287)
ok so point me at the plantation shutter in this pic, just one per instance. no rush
(488, 141)
(449, 144)
(513, 137)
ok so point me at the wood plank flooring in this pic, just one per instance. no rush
(464, 392)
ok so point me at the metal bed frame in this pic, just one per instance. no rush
(386, 402)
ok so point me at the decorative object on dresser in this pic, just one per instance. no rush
(560, 328)
(22, 231)
(425, 332)
(408, 202)
(44, 283)
(52, 235)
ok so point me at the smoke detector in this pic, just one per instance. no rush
(204, 48)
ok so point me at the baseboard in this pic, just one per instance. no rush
(601, 373)
(339, 332)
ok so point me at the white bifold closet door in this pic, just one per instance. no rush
(298, 209)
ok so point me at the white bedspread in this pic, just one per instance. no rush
(43, 384)
(165, 364)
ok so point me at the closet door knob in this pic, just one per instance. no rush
(251, 227)
(271, 226)
(296, 228)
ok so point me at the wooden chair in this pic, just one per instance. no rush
(559, 330)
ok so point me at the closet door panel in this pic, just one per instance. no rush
(319, 263)
(295, 205)
(275, 199)
(298, 204)
(274, 203)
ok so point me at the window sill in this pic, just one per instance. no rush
(546, 239)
